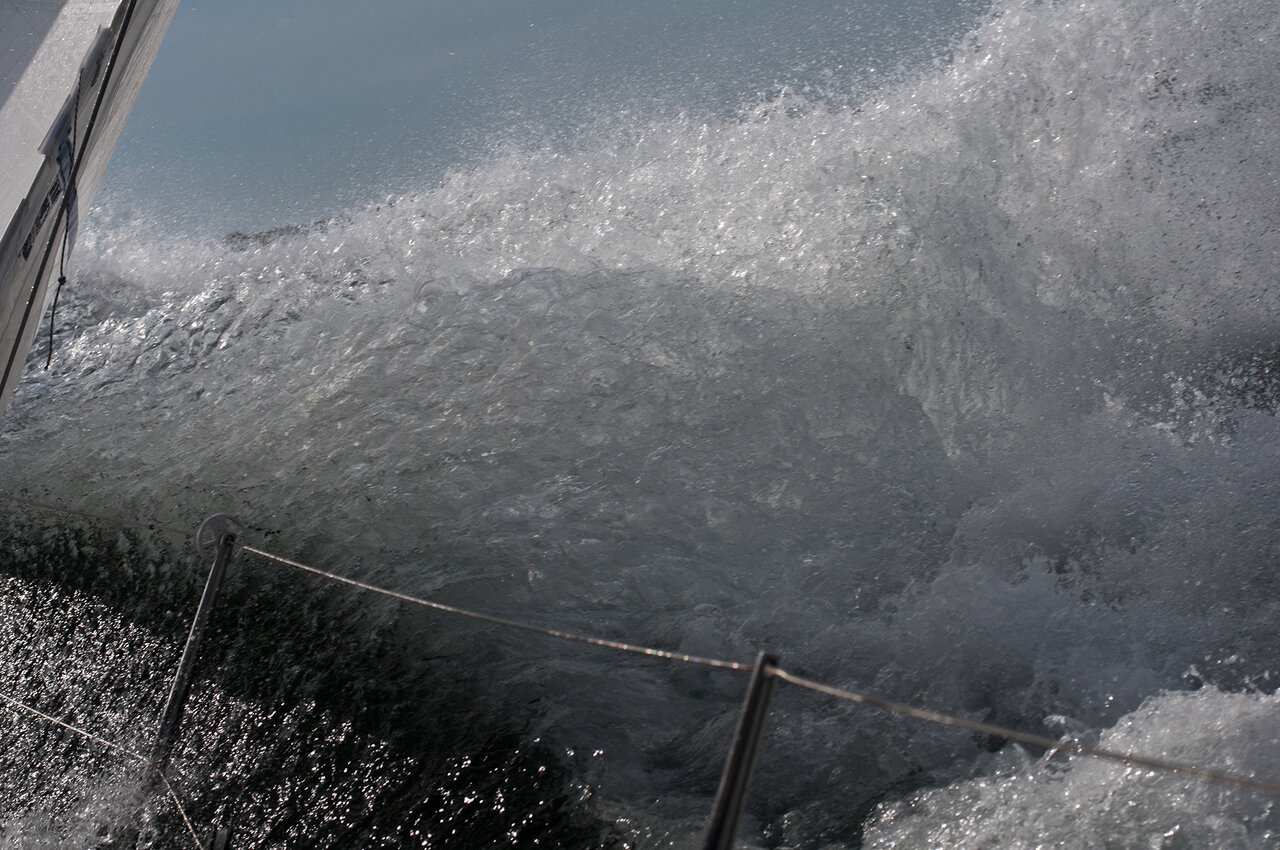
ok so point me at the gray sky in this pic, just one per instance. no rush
(259, 113)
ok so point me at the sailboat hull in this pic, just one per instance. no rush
(72, 73)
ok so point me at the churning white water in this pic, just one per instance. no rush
(962, 394)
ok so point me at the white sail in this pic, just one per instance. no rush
(70, 71)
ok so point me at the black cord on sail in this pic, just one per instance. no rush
(66, 231)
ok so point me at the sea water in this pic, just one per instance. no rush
(960, 391)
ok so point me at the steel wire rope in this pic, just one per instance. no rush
(500, 621)
(173, 794)
(1187, 771)
(1065, 745)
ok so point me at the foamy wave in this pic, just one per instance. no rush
(1060, 802)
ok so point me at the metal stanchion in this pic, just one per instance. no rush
(217, 534)
(736, 779)
(221, 527)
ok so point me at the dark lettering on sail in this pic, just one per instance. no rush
(47, 204)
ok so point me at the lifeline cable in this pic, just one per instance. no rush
(1162, 765)
(173, 795)
(489, 618)
(92, 737)
(1219, 777)
(1186, 771)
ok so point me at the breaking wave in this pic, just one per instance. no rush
(963, 395)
